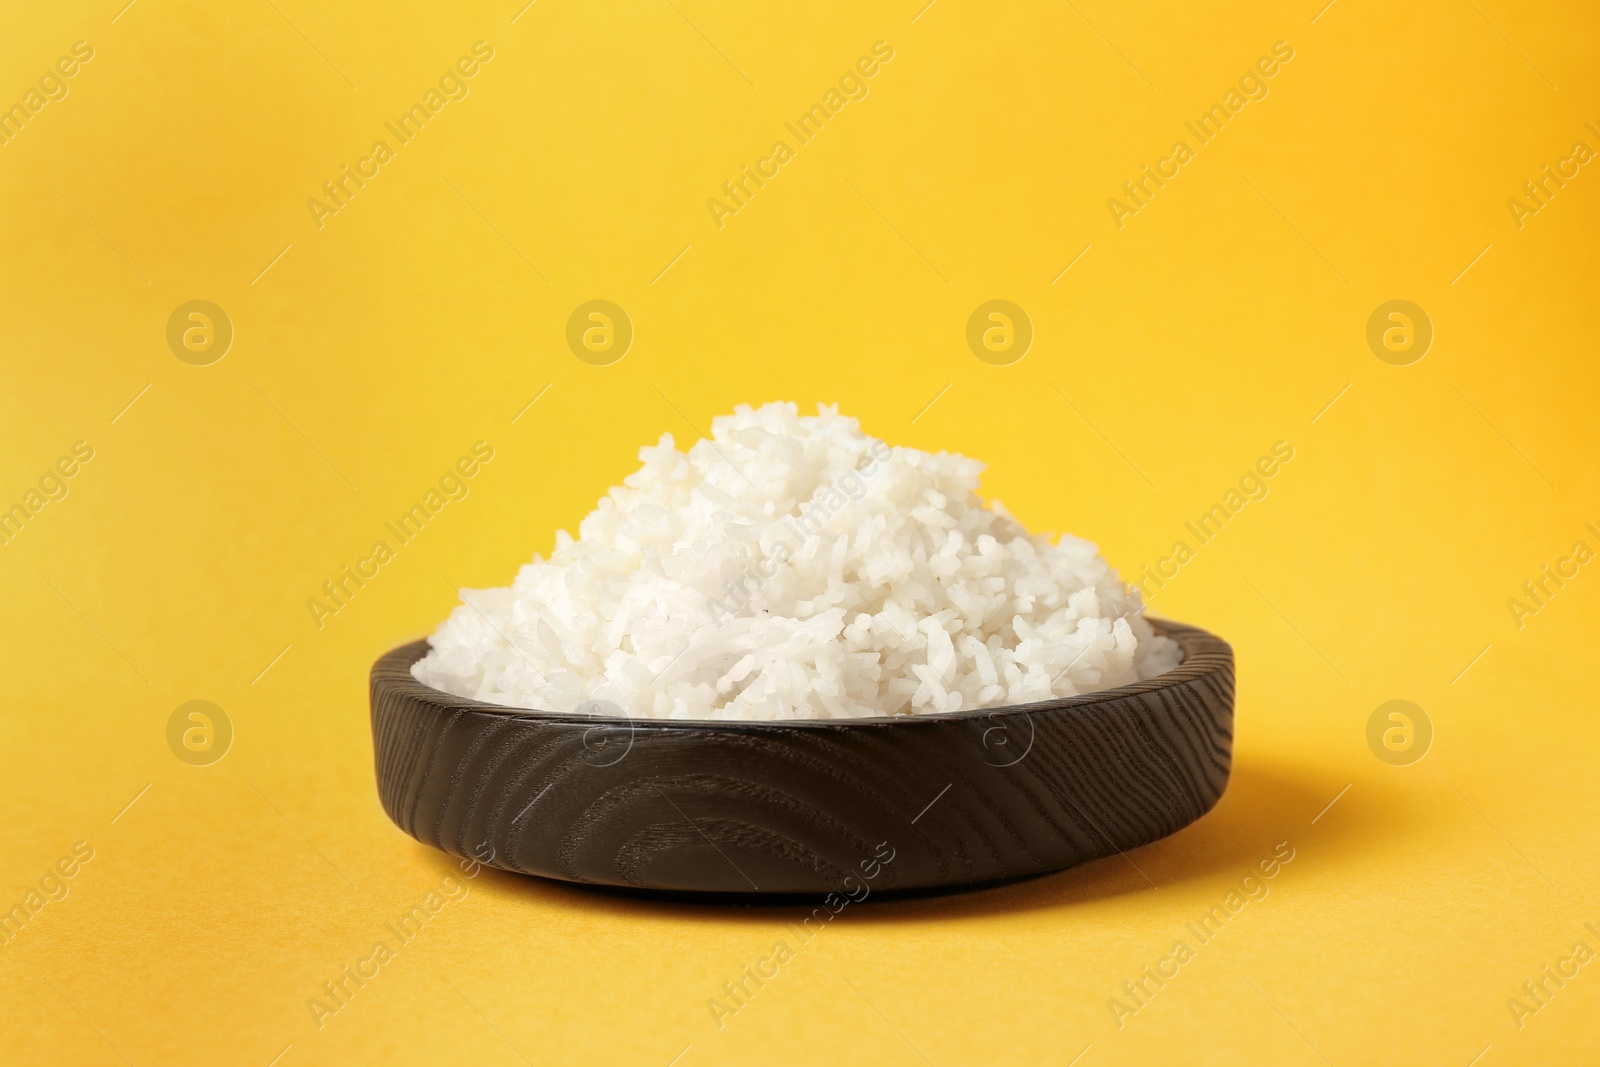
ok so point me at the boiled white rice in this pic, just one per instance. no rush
(792, 567)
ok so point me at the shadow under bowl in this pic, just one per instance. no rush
(806, 807)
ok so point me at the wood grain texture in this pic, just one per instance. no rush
(804, 807)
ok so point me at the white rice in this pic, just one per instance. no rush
(793, 567)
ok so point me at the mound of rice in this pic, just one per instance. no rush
(792, 567)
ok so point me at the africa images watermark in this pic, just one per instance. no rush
(793, 534)
(1537, 993)
(1539, 191)
(53, 885)
(852, 86)
(1139, 991)
(340, 190)
(453, 485)
(51, 486)
(199, 732)
(1252, 486)
(51, 86)
(739, 992)
(1252, 86)
(338, 991)
(1539, 591)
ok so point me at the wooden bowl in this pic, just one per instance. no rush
(915, 802)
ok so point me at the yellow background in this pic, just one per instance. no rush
(428, 312)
